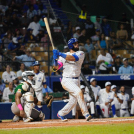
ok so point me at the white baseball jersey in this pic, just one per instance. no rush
(72, 68)
(87, 98)
(39, 81)
(104, 96)
(116, 102)
(8, 76)
(125, 99)
(94, 89)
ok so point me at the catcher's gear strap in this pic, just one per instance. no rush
(35, 113)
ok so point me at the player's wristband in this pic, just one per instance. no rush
(20, 107)
(62, 55)
(46, 89)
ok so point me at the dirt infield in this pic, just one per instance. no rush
(56, 123)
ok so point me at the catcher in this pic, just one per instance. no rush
(25, 100)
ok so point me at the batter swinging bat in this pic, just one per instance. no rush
(49, 32)
(88, 86)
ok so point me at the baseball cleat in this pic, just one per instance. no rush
(29, 119)
(62, 118)
(16, 118)
(88, 117)
(115, 116)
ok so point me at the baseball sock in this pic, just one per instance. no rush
(98, 110)
(113, 110)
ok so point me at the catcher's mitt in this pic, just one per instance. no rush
(49, 100)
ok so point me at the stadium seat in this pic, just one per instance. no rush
(121, 52)
(45, 68)
(126, 55)
(93, 54)
(39, 58)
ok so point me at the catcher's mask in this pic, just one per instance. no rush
(29, 77)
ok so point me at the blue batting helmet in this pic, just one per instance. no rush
(36, 63)
(71, 42)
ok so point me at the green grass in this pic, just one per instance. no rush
(88, 129)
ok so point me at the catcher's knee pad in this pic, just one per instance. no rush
(37, 115)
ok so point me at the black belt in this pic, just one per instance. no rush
(124, 109)
(72, 77)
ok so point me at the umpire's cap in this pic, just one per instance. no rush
(36, 63)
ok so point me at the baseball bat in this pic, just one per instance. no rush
(49, 32)
(88, 86)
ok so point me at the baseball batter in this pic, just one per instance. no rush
(71, 62)
(105, 97)
(24, 100)
(123, 99)
(88, 100)
(132, 104)
(40, 81)
(116, 101)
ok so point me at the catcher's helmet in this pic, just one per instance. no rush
(25, 77)
(71, 42)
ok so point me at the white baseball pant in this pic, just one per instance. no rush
(124, 113)
(39, 96)
(105, 110)
(132, 107)
(76, 95)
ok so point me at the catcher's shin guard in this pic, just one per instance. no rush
(37, 115)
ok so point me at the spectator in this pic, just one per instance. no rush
(77, 33)
(117, 63)
(45, 40)
(86, 70)
(6, 40)
(29, 37)
(97, 24)
(103, 43)
(21, 50)
(27, 59)
(49, 90)
(13, 46)
(82, 38)
(40, 35)
(2, 87)
(8, 91)
(88, 47)
(6, 22)
(122, 34)
(7, 75)
(26, 6)
(125, 22)
(31, 12)
(106, 28)
(17, 33)
(24, 20)
(126, 68)
(9, 11)
(15, 82)
(70, 30)
(41, 21)
(104, 61)
(41, 10)
(35, 26)
(113, 43)
(132, 62)
(96, 38)
(14, 21)
(89, 26)
(83, 14)
(19, 73)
